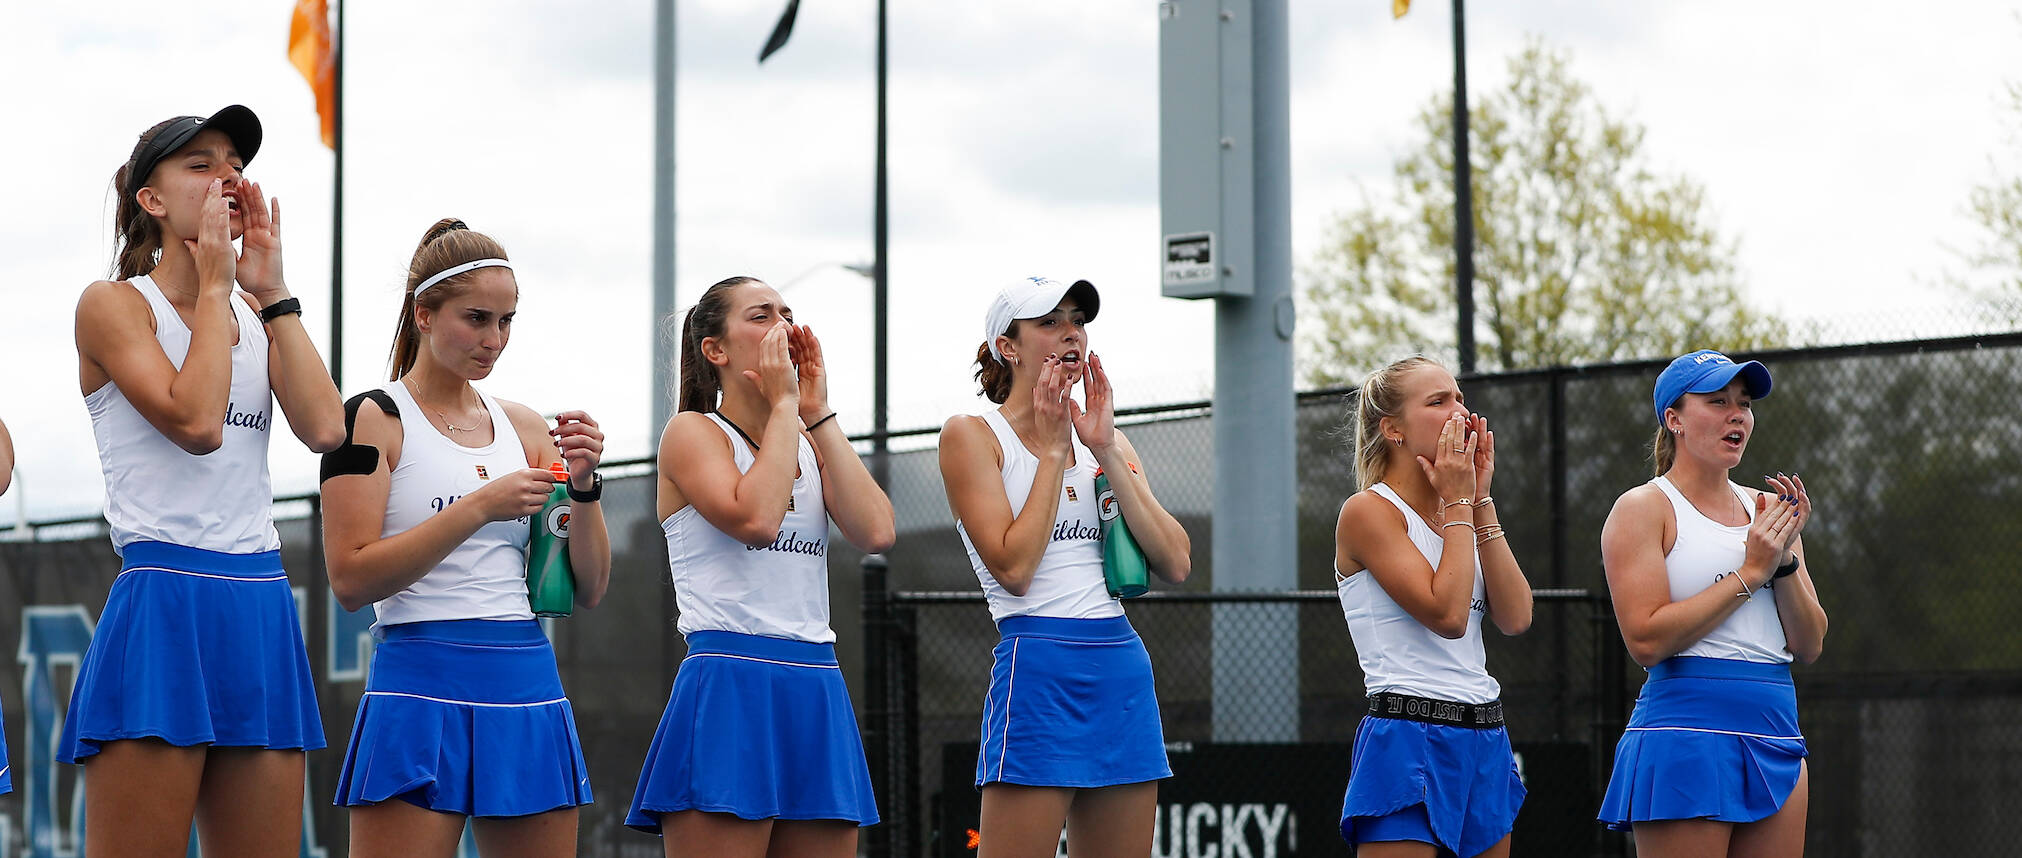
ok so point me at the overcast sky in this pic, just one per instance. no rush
(1837, 142)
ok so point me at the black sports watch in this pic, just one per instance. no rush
(1786, 569)
(595, 493)
(280, 308)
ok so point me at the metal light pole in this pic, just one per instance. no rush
(1463, 198)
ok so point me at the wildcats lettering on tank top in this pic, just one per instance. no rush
(1398, 653)
(1068, 582)
(485, 577)
(779, 589)
(158, 492)
(1708, 551)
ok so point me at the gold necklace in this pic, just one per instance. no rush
(445, 417)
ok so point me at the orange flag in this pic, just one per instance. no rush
(310, 50)
(1398, 8)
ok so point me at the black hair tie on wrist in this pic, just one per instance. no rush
(280, 308)
(831, 416)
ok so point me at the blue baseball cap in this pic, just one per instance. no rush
(1706, 371)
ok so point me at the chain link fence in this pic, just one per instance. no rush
(1914, 714)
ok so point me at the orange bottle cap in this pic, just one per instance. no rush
(560, 470)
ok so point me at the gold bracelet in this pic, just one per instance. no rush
(1456, 523)
(1460, 502)
(1485, 501)
(1484, 540)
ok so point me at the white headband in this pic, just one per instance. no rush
(454, 270)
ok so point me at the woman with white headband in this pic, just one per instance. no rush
(1071, 731)
(194, 704)
(426, 517)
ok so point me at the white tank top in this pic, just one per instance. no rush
(1068, 582)
(1707, 551)
(778, 590)
(1400, 654)
(485, 578)
(156, 491)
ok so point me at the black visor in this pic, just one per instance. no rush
(236, 121)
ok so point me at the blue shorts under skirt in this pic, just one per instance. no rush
(1711, 738)
(1462, 781)
(1071, 704)
(195, 647)
(465, 717)
(759, 728)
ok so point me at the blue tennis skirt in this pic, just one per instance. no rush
(759, 728)
(1711, 738)
(1462, 781)
(1071, 704)
(195, 647)
(6, 766)
(465, 717)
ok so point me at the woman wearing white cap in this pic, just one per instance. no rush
(195, 699)
(1714, 597)
(1419, 563)
(426, 518)
(1071, 729)
(758, 751)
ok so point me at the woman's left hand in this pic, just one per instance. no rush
(1484, 453)
(1789, 489)
(582, 446)
(805, 349)
(1094, 424)
(259, 270)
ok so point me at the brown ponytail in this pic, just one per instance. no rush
(137, 238)
(993, 375)
(992, 372)
(699, 386)
(1664, 447)
(447, 244)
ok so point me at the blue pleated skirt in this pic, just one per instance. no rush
(1711, 738)
(465, 717)
(6, 764)
(1071, 704)
(195, 647)
(1462, 780)
(759, 728)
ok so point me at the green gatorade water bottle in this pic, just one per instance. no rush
(551, 584)
(1123, 565)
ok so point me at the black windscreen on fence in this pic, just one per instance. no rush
(1912, 451)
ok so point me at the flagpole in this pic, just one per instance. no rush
(337, 203)
(1463, 199)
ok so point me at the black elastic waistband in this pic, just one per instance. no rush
(1384, 704)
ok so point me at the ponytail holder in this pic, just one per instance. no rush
(454, 270)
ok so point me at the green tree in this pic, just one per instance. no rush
(1583, 252)
(1996, 207)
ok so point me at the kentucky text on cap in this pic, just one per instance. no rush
(1706, 371)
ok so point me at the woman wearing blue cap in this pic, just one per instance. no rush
(1420, 563)
(1071, 731)
(1714, 597)
(195, 700)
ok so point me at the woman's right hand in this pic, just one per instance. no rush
(1769, 536)
(777, 379)
(217, 261)
(515, 495)
(1049, 407)
(1451, 471)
